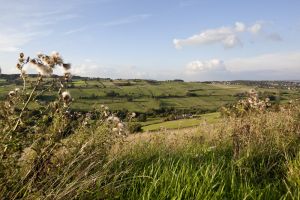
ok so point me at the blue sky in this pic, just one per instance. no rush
(157, 39)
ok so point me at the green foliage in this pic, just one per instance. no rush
(134, 127)
(142, 117)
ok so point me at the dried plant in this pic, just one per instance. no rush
(48, 150)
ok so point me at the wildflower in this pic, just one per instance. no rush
(21, 60)
(116, 120)
(11, 93)
(106, 114)
(66, 97)
(7, 104)
(133, 115)
(113, 119)
(21, 55)
(67, 76)
(102, 106)
(115, 130)
(66, 66)
(17, 90)
(56, 58)
(120, 125)
(110, 118)
(55, 54)
(250, 100)
(41, 68)
(19, 67)
(46, 60)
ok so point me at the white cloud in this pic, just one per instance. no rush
(255, 28)
(228, 36)
(197, 66)
(224, 35)
(240, 27)
(274, 61)
(280, 66)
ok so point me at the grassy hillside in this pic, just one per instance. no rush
(48, 150)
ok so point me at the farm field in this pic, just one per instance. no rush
(183, 123)
(156, 99)
(141, 96)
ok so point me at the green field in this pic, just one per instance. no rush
(142, 96)
(154, 98)
(183, 123)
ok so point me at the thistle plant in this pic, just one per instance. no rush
(251, 104)
(41, 141)
(239, 114)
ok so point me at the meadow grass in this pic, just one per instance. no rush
(200, 162)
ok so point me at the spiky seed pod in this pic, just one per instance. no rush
(17, 90)
(133, 115)
(120, 125)
(21, 60)
(44, 70)
(66, 97)
(66, 66)
(67, 76)
(116, 120)
(19, 67)
(11, 94)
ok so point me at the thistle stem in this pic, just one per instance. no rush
(26, 104)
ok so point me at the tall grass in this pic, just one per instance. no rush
(52, 152)
(204, 164)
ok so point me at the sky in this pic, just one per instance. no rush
(194, 40)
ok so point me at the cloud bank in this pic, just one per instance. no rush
(228, 37)
(280, 66)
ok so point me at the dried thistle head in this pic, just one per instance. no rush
(43, 70)
(66, 97)
(21, 55)
(66, 66)
(12, 93)
(67, 76)
(19, 67)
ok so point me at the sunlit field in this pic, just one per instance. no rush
(149, 100)
(64, 139)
